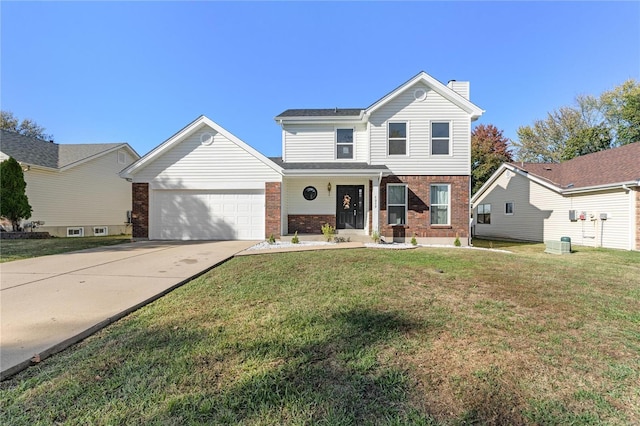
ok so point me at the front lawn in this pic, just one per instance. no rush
(24, 249)
(363, 336)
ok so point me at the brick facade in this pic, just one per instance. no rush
(273, 197)
(140, 212)
(309, 223)
(418, 215)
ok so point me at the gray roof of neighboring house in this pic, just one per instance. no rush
(322, 112)
(30, 150)
(326, 166)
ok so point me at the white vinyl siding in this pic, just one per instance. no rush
(542, 214)
(419, 115)
(221, 165)
(89, 194)
(304, 143)
(325, 202)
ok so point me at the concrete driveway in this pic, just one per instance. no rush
(51, 302)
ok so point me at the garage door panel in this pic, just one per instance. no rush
(207, 215)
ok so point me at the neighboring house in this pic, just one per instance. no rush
(593, 199)
(73, 188)
(400, 167)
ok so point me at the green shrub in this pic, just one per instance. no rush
(272, 239)
(457, 242)
(375, 236)
(328, 231)
(295, 239)
(414, 242)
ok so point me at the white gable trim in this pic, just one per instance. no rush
(473, 110)
(198, 123)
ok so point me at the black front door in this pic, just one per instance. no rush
(350, 207)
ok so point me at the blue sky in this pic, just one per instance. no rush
(138, 72)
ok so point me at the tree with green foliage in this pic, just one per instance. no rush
(14, 204)
(489, 149)
(25, 127)
(593, 124)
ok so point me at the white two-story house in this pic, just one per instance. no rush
(400, 167)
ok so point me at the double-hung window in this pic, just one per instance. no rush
(484, 214)
(440, 140)
(508, 208)
(397, 204)
(440, 204)
(344, 144)
(397, 137)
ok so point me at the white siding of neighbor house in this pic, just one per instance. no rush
(419, 115)
(89, 194)
(305, 143)
(221, 165)
(542, 214)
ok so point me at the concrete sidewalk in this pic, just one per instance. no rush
(51, 302)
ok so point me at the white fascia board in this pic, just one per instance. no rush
(489, 182)
(333, 172)
(605, 187)
(473, 110)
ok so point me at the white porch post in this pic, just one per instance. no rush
(375, 206)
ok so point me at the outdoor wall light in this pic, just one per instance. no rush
(329, 187)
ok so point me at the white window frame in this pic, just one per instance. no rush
(483, 213)
(105, 231)
(448, 205)
(506, 208)
(122, 159)
(405, 205)
(406, 138)
(71, 232)
(353, 143)
(432, 138)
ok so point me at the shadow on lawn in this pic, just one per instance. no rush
(337, 380)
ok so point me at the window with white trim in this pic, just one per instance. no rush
(483, 214)
(100, 231)
(440, 204)
(396, 204)
(75, 232)
(344, 144)
(440, 140)
(397, 138)
(508, 208)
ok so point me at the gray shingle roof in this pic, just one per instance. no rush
(29, 150)
(322, 112)
(327, 166)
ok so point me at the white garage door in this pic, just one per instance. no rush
(207, 215)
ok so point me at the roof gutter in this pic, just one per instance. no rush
(624, 185)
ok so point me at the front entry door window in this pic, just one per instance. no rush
(350, 207)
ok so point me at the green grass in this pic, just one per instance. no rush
(349, 337)
(24, 249)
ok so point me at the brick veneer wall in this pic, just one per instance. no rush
(140, 212)
(418, 215)
(309, 223)
(273, 197)
(637, 218)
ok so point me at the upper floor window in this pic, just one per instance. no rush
(440, 139)
(344, 143)
(397, 204)
(397, 138)
(440, 204)
(484, 214)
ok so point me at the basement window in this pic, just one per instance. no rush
(75, 232)
(100, 231)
